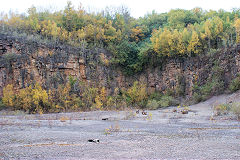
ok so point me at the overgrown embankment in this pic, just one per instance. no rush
(57, 78)
(75, 60)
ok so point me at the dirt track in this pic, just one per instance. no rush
(162, 134)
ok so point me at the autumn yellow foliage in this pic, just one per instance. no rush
(137, 93)
(33, 98)
(8, 96)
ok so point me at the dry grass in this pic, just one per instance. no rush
(50, 144)
(213, 128)
(63, 119)
(112, 128)
(130, 115)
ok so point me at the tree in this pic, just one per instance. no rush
(181, 45)
(218, 30)
(69, 18)
(110, 33)
(98, 102)
(137, 34)
(90, 33)
(237, 29)
(176, 43)
(103, 95)
(24, 99)
(64, 98)
(208, 33)
(176, 18)
(152, 21)
(127, 57)
(32, 20)
(39, 98)
(162, 42)
(89, 95)
(16, 21)
(228, 31)
(50, 29)
(194, 44)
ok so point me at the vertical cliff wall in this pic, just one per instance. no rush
(23, 62)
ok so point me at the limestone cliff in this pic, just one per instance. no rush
(23, 62)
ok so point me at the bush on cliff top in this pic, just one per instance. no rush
(178, 33)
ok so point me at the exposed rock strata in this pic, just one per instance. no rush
(22, 62)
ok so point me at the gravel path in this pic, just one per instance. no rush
(161, 134)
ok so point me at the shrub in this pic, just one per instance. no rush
(40, 98)
(2, 106)
(76, 103)
(152, 104)
(67, 100)
(103, 96)
(110, 102)
(212, 52)
(88, 97)
(213, 86)
(137, 94)
(103, 59)
(127, 57)
(235, 84)
(33, 99)
(165, 101)
(206, 91)
(8, 59)
(24, 99)
(120, 99)
(72, 82)
(197, 97)
(157, 99)
(156, 96)
(236, 110)
(222, 109)
(8, 98)
(98, 102)
(180, 90)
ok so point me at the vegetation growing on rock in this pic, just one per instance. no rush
(133, 45)
(132, 41)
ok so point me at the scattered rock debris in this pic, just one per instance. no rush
(94, 140)
(144, 113)
(184, 111)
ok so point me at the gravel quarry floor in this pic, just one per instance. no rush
(161, 134)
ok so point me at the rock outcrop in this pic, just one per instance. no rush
(23, 62)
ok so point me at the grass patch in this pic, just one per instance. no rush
(152, 104)
(224, 109)
(236, 110)
(159, 101)
(112, 128)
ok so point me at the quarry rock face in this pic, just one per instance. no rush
(23, 62)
